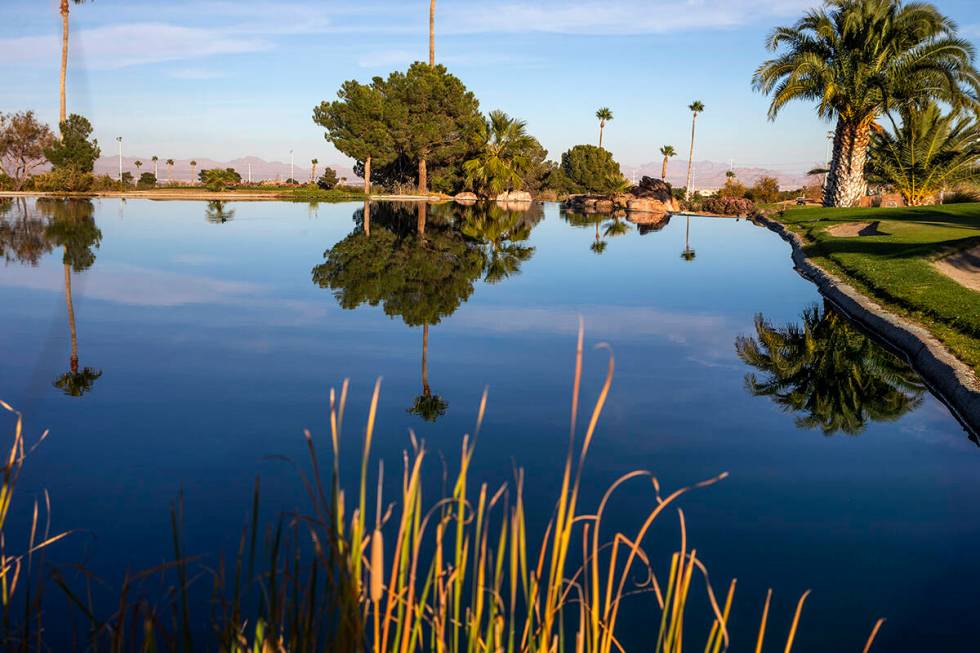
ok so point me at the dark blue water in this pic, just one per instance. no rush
(210, 347)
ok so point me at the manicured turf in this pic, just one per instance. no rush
(895, 266)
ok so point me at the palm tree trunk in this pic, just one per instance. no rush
(71, 320)
(432, 32)
(601, 125)
(687, 234)
(426, 390)
(367, 176)
(367, 217)
(62, 115)
(663, 172)
(423, 177)
(845, 181)
(690, 160)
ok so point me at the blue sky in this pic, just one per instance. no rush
(205, 78)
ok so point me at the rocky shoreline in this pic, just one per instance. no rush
(947, 376)
(651, 196)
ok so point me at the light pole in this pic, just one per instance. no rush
(119, 140)
(291, 173)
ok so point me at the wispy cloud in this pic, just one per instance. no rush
(117, 46)
(196, 74)
(614, 16)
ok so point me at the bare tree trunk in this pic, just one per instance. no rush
(71, 320)
(690, 161)
(64, 58)
(426, 390)
(423, 177)
(367, 176)
(432, 32)
(845, 180)
(367, 217)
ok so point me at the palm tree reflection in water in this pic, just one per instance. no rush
(838, 378)
(72, 226)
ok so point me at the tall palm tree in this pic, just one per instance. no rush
(193, 171)
(138, 164)
(926, 154)
(504, 158)
(604, 115)
(668, 151)
(696, 107)
(170, 169)
(826, 369)
(688, 253)
(432, 33)
(313, 163)
(860, 59)
(65, 5)
(156, 166)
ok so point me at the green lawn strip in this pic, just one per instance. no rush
(896, 268)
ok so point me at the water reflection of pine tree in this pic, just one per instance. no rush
(839, 378)
(418, 267)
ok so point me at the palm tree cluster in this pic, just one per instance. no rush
(859, 60)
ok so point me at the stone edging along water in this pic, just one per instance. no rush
(948, 377)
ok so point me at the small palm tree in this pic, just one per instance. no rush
(604, 115)
(859, 60)
(156, 166)
(927, 153)
(313, 162)
(696, 107)
(668, 151)
(504, 158)
(193, 171)
(138, 164)
(170, 169)
(65, 5)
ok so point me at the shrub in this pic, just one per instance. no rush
(74, 150)
(147, 180)
(217, 179)
(728, 206)
(592, 169)
(105, 182)
(961, 197)
(67, 179)
(328, 180)
(127, 179)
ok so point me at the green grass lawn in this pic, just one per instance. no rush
(896, 268)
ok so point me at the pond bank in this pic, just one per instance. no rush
(952, 380)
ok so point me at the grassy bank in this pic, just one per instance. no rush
(895, 263)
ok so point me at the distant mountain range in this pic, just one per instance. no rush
(707, 174)
(711, 174)
(261, 169)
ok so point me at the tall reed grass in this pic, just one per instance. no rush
(376, 566)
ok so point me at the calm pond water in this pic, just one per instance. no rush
(208, 337)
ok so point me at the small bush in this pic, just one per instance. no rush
(328, 180)
(961, 197)
(728, 206)
(147, 180)
(216, 179)
(67, 179)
